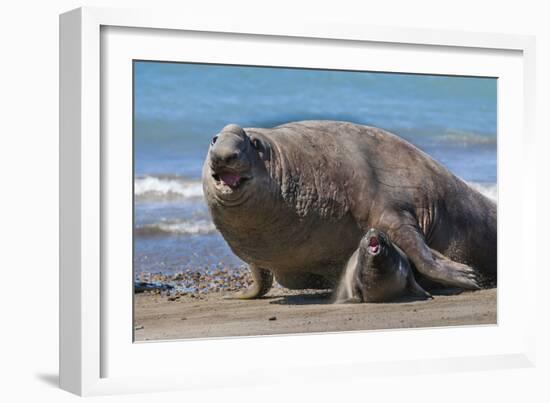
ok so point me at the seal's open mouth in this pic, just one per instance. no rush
(374, 246)
(231, 179)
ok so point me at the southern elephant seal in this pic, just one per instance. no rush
(378, 271)
(294, 201)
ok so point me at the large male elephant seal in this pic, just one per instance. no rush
(294, 201)
(378, 271)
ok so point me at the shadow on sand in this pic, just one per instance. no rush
(320, 298)
(326, 297)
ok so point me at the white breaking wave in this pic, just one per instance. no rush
(468, 139)
(488, 189)
(176, 228)
(154, 187)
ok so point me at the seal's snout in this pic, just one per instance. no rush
(228, 159)
(223, 157)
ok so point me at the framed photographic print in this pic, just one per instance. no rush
(256, 195)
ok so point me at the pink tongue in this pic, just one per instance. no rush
(230, 179)
(373, 245)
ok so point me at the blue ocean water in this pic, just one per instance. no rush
(179, 107)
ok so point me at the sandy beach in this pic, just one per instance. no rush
(164, 317)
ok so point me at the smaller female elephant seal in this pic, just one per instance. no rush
(378, 271)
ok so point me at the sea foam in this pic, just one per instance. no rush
(466, 139)
(175, 227)
(152, 187)
(488, 189)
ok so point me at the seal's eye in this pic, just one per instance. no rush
(255, 143)
(214, 139)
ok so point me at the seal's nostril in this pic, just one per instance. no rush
(231, 157)
(222, 157)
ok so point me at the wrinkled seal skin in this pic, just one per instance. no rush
(378, 273)
(310, 190)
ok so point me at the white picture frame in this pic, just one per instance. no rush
(96, 354)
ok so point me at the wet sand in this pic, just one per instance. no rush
(161, 317)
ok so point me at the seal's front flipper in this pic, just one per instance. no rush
(351, 300)
(415, 289)
(262, 282)
(455, 274)
(431, 263)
